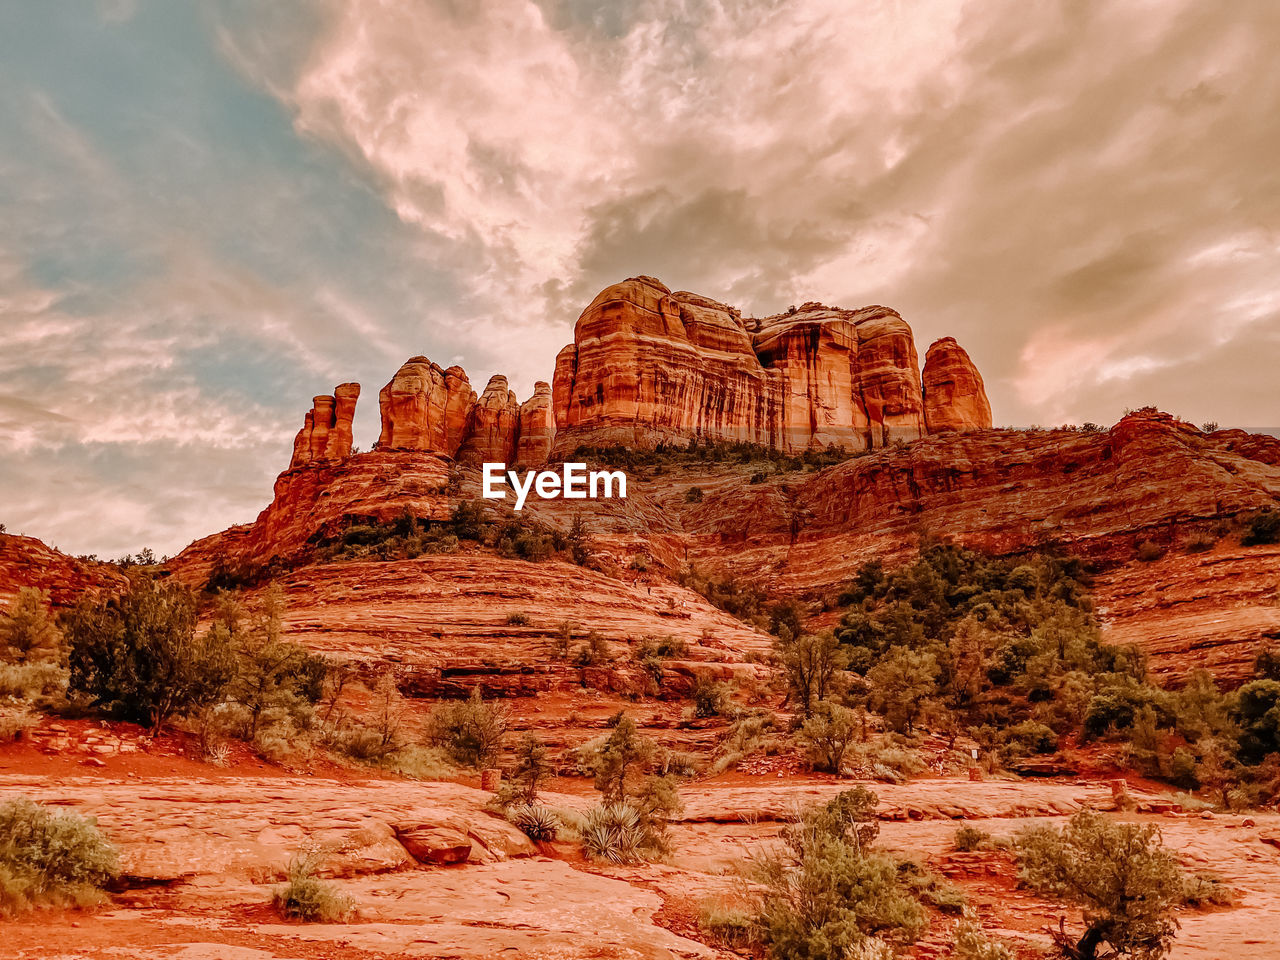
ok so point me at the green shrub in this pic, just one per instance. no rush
(538, 823)
(826, 736)
(828, 895)
(595, 651)
(31, 681)
(730, 926)
(1262, 528)
(710, 697)
(1126, 882)
(470, 731)
(530, 769)
(139, 657)
(970, 838)
(47, 857)
(306, 897)
(1206, 889)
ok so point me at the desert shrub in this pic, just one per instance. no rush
(48, 857)
(752, 731)
(828, 895)
(28, 633)
(928, 887)
(825, 737)
(971, 943)
(519, 619)
(729, 925)
(710, 697)
(968, 839)
(1148, 552)
(1122, 877)
(693, 495)
(743, 600)
(1026, 738)
(595, 651)
(1262, 528)
(538, 823)
(622, 766)
(1200, 543)
(612, 832)
(31, 681)
(470, 731)
(139, 657)
(306, 897)
(1205, 889)
(888, 761)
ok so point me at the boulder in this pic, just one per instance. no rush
(434, 843)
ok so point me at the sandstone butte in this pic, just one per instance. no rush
(649, 366)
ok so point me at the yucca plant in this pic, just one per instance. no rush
(539, 823)
(613, 832)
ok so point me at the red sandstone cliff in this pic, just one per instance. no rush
(648, 366)
(955, 398)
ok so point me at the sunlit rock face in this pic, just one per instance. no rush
(955, 398)
(648, 366)
(537, 426)
(325, 436)
(425, 408)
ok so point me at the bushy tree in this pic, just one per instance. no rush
(904, 687)
(28, 633)
(471, 731)
(827, 735)
(274, 679)
(1127, 884)
(139, 656)
(813, 664)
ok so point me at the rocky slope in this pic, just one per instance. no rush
(27, 562)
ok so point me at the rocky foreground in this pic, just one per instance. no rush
(433, 874)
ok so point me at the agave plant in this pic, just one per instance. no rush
(536, 821)
(613, 832)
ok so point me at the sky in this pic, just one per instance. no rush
(211, 212)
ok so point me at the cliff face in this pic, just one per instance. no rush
(648, 366)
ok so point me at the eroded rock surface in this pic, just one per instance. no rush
(955, 398)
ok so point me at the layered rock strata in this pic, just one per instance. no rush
(649, 366)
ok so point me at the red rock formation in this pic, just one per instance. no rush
(326, 430)
(955, 398)
(493, 422)
(648, 365)
(537, 430)
(425, 407)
